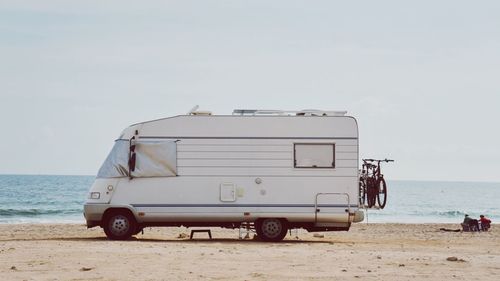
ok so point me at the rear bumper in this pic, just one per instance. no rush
(359, 216)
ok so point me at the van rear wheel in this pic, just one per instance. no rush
(119, 226)
(271, 230)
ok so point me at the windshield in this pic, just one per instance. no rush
(116, 164)
(153, 159)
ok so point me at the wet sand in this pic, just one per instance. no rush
(366, 252)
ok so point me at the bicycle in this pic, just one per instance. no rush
(372, 185)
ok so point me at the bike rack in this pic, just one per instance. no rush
(348, 210)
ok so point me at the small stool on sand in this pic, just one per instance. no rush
(201, 230)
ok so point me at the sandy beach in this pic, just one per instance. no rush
(366, 252)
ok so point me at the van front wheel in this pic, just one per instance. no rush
(271, 230)
(119, 226)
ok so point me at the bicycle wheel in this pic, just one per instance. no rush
(381, 193)
(362, 192)
(371, 192)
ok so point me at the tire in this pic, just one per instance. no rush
(371, 192)
(381, 193)
(119, 225)
(271, 230)
(362, 193)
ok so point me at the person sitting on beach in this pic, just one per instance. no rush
(485, 222)
(470, 224)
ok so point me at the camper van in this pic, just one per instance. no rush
(273, 170)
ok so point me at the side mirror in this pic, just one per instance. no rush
(131, 157)
(131, 162)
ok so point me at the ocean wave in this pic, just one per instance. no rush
(446, 213)
(36, 212)
(423, 213)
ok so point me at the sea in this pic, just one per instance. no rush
(59, 199)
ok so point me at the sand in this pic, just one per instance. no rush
(366, 252)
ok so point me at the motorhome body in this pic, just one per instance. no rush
(278, 170)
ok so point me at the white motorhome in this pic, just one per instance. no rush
(274, 170)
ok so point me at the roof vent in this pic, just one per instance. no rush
(201, 112)
(195, 111)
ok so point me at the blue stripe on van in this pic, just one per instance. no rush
(246, 205)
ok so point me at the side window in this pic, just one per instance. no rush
(314, 155)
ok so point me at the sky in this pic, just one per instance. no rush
(422, 77)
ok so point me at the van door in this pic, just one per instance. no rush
(227, 192)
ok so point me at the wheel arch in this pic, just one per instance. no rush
(284, 219)
(118, 209)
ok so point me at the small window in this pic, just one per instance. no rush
(314, 155)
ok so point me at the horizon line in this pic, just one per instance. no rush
(409, 180)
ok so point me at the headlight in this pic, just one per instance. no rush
(95, 195)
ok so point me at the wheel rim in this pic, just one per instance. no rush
(272, 228)
(119, 225)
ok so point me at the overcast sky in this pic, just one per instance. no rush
(421, 77)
